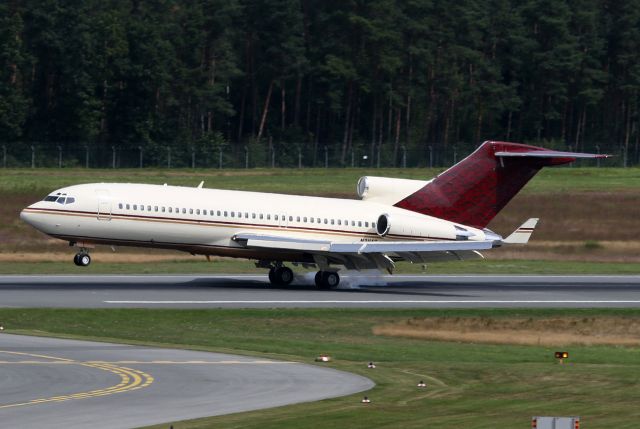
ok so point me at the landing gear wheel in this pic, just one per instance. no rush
(280, 276)
(327, 279)
(82, 259)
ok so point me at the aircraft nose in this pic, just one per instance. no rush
(27, 216)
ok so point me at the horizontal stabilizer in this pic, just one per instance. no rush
(522, 234)
(550, 154)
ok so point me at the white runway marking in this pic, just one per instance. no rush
(387, 302)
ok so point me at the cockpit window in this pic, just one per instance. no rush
(61, 200)
(70, 200)
(51, 198)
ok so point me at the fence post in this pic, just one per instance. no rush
(168, 157)
(598, 159)
(220, 158)
(4, 152)
(113, 157)
(246, 157)
(33, 156)
(404, 157)
(430, 156)
(326, 157)
(86, 156)
(193, 157)
(299, 157)
(273, 157)
(140, 149)
(59, 156)
(378, 155)
(353, 158)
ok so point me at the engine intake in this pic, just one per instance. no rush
(383, 226)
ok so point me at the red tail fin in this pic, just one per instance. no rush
(474, 190)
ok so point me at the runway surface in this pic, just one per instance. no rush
(242, 291)
(53, 383)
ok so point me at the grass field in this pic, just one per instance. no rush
(469, 385)
(198, 266)
(308, 181)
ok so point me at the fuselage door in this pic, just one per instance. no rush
(104, 204)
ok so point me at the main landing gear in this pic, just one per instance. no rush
(82, 259)
(327, 279)
(280, 276)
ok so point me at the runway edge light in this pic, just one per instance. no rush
(561, 356)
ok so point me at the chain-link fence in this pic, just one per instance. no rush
(253, 156)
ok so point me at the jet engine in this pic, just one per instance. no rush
(414, 226)
(387, 190)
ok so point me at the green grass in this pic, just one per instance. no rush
(300, 181)
(470, 385)
(199, 266)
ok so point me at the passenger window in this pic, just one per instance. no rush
(120, 206)
(304, 219)
(226, 214)
(318, 220)
(170, 209)
(339, 222)
(261, 216)
(325, 221)
(162, 209)
(360, 223)
(148, 208)
(290, 218)
(332, 221)
(373, 224)
(297, 218)
(135, 207)
(184, 211)
(353, 223)
(366, 224)
(276, 217)
(156, 208)
(311, 220)
(253, 215)
(197, 211)
(268, 217)
(128, 206)
(218, 212)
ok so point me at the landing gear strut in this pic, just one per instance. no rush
(280, 276)
(82, 259)
(327, 279)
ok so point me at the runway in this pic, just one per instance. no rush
(55, 383)
(254, 291)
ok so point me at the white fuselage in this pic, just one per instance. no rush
(204, 221)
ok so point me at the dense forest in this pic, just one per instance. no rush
(368, 75)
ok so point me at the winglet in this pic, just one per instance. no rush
(522, 234)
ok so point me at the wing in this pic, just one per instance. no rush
(368, 255)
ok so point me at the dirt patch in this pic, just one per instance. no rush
(620, 331)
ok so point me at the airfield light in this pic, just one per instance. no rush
(323, 358)
(366, 400)
(561, 356)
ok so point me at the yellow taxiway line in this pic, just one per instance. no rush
(130, 379)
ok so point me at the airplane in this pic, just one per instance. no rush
(419, 221)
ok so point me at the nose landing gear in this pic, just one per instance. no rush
(82, 259)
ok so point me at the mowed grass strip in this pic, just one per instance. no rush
(468, 385)
(307, 181)
(198, 265)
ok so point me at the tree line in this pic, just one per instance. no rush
(366, 74)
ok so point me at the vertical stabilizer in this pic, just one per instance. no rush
(474, 190)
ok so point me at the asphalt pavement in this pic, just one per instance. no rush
(381, 291)
(66, 384)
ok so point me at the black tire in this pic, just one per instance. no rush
(84, 259)
(272, 276)
(318, 280)
(331, 279)
(284, 276)
(76, 259)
